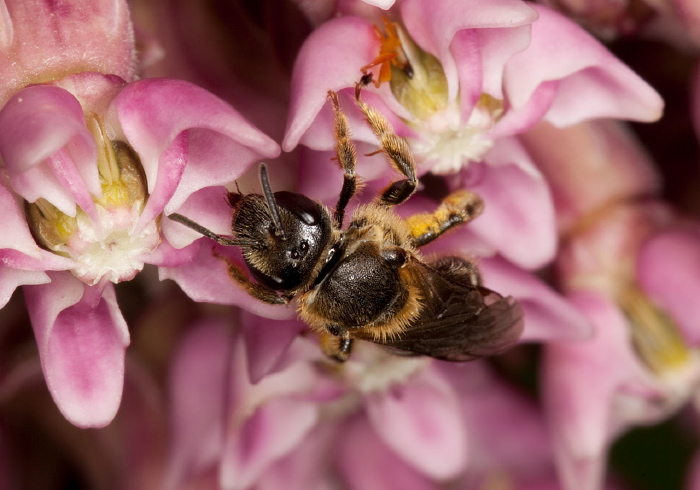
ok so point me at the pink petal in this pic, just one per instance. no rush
(10, 279)
(40, 40)
(259, 432)
(366, 462)
(548, 316)
(165, 255)
(592, 164)
(266, 436)
(518, 218)
(507, 427)
(421, 421)
(220, 144)
(18, 269)
(45, 122)
(308, 467)
(581, 380)
(266, 341)
(668, 267)
(327, 61)
(592, 83)
(81, 342)
(480, 56)
(209, 207)
(198, 388)
(433, 25)
(206, 279)
(13, 218)
(498, 45)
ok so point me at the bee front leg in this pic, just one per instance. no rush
(257, 291)
(346, 156)
(458, 208)
(336, 346)
(396, 149)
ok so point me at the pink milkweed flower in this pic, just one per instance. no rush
(411, 406)
(464, 79)
(95, 203)
(620, 249)
(633, 274)
(91, 163)
(225, 425)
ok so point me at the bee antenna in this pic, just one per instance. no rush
(222, 240)
(271, 204)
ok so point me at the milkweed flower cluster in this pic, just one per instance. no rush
(115, 115)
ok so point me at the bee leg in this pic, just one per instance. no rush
(346, 156)
(458, 208)
(396, 149)
(257, 291)
(336, 347)
(458, 270)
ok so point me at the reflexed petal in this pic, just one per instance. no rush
(259, 430)
(81, 341)
(590, 81)
(668, 268)
(421, 421)
(548, 316)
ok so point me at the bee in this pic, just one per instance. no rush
(368, 281)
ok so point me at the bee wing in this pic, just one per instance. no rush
(460, 322)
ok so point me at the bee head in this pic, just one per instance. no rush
(289, 232)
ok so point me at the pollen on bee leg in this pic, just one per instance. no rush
(458, 208)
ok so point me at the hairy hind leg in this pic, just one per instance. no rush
(458, 208)
(336, 347)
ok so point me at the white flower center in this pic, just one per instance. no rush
(449, 144)
(112, 250)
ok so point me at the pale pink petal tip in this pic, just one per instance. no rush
(588, 81)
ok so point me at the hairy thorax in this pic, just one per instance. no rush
(369, 284)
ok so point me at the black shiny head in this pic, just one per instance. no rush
(289, 233)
